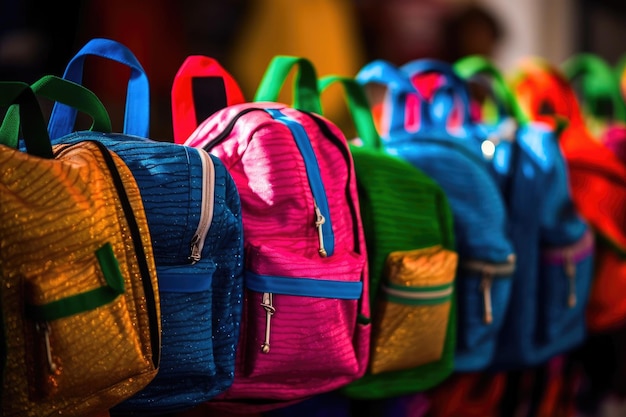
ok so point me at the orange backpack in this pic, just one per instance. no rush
(598, 182)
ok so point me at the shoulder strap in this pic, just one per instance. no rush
(200, 88)
(137, 113)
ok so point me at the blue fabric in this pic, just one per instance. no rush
(305, 287)
(313, 174)
(532, 174)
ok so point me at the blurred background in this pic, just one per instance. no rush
(338, 36)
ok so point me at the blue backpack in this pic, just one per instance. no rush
(553, 243)
(194, 217)
(486, 254)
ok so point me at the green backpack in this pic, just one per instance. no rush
(410, 243)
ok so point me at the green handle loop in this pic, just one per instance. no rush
(29, 117)
(63, 91)
(472, 65)
(359, 108)
(598, 81)
(306, 94)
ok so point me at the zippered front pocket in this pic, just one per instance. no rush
(413, 311)
(300, 315)
(484, 291)
(564, 285)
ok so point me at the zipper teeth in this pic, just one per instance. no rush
(208, 196)
(155, 337)
(499, 269)
(424, 295)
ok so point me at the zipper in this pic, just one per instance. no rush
(207, 206)
(44, 327)
(319, 222)
(135, 232)
(229, 128)
(489, 272)
(569, 256)
(347, 156)
(321, 210)
(267, 302)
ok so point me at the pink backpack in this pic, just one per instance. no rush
(305, 325)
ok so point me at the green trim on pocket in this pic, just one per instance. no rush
(435, 294)
(88, 300)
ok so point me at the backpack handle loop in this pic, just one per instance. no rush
(306, 93)
(137, 111)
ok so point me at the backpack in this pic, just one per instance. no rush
(598, 91)
(486, 254)
(412, 261)
(194, 218)
(597, 183)
(553, 243)
(81, 322)
(305, 327)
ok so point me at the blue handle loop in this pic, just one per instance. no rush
(455, 86)
(137, 112)
(400, 92)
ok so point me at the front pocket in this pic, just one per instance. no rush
(565, 280)
(411, 321)
(72, 355)
(484, 291)
(301, 315)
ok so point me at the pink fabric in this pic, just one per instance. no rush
(316, 344)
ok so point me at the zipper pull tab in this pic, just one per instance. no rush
(45, 328)
(485, 287)
(268, 304)
(570, 272)
(319, 221)
(195, 249)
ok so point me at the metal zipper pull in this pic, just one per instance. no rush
(570, 272)
(195, 249)
(45, 328)
(485, 287)
(319, 221)
(268, 304)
